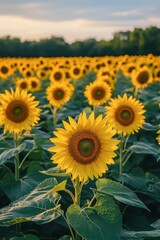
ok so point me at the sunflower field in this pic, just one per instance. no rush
(80, 148)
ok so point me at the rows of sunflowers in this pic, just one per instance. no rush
(79, 148)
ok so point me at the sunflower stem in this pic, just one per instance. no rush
(135, 92)
(67, 224)
(127, 158)
(125, 142)
(54, 116)
(26, 157)
(17, 172)
(120, 157)
(78, 189)
(16, 158)
(70, 193)
(92, 200)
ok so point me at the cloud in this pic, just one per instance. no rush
(154, 20)
(71, 30)
(75, 20)
(134, 12)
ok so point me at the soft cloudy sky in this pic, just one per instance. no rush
(75, 19)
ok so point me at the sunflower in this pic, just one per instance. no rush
(35, 84)
(142, 77)
(109, 81)
(76, 71)
(125, 114)
(58, 93)
(27, 72)
(41, 74)
(5, 70)
(18, 111)
(57, 75)
(157, 74)
(23, 84)
(97, 93)
(84, 148)
(128, 69)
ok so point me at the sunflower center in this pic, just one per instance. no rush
(17, 111)
(143, 77)
(98, 93)
(28, 74)
(34, 84)
(105, 73)
(58, 94)
(23, 85)
(125, 115)
(57, 76)
(42, 74)
(4, 69)
(158, 74)
(76, 71)
(130, 69)
(84, 147)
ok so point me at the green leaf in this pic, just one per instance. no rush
(119, 192)
(98, 222)
(144, 148)
(140, 234)
(66, 237)
(156, 224)
(26, 237)
(17, 189)
(59, 187)
(7, 154)
(42, 139)
(150, 127)
(140, 182)
(55, 172)
(37, 206)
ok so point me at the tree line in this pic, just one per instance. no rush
(137, 42)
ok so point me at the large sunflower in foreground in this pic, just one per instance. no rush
(97, 93)
(125, 114)
(84, 148)
(18, 111)
(58, 93)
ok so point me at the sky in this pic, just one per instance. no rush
(75, 19)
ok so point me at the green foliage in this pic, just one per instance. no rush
(102, 221)
(7, 154)
(26, 237)
(37, 206)
(119, 192)
(40, 204)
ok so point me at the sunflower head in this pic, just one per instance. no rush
(59, 93)
(23, 84)
(5, 70)
(35, 84)
(57, 75)
(76, 71)
(84, 148)
(142, 77)
(18, 111)
(97, 93)
(125, 114)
